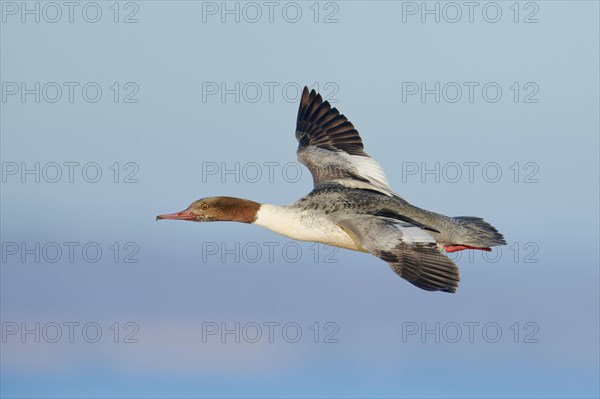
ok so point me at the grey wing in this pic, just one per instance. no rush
(332, 149)
(411, 252)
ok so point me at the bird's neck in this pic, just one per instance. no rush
(278, 218)
(237, 210)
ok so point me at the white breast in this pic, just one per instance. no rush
(303, 226)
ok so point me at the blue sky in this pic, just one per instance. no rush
(162, 133)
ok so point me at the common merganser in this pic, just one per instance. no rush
(352, 206)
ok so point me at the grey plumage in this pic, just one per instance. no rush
(420, 263)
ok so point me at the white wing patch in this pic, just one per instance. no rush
(345, 169)
(368, 168)
(412, 234)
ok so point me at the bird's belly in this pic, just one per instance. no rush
(309, 227)
(329, 234)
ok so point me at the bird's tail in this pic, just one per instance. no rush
(478, 233)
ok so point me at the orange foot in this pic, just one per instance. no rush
(455, 248)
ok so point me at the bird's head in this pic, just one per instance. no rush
(215, 209)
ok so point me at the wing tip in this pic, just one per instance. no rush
(326, 125)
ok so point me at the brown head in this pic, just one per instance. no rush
(215, 209)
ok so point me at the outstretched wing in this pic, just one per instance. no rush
(411, 252)
(331, 147)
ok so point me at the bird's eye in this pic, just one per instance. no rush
(204, 207)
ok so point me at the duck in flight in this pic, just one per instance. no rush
(352, 206)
